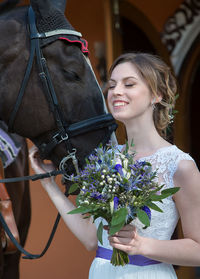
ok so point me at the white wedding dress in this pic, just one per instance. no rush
(166, 161)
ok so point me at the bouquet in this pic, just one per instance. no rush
(117, 188)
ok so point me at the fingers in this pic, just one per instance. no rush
(33, 151)
(127, 231)
(125, 236)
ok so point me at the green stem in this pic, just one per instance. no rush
(119, 258)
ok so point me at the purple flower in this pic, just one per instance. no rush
(116, 202)
(97, 196)
(118, 168)
(147, 210)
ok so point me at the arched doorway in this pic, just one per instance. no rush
(186, 132)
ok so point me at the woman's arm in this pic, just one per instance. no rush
(184, 251)
(83, 229)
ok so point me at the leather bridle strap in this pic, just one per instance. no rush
(22, 88)
(75, 129)
(29, 256)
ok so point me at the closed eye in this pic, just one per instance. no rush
(71, 76)
(129, 84)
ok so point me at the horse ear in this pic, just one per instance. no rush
(60, 4)
(41, 8)
(50, 16)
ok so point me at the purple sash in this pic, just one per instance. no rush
(135, 259)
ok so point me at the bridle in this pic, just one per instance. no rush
(64, 131)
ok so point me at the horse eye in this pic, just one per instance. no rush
(71, 76)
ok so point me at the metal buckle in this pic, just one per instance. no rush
(63, 165)
(59, 138)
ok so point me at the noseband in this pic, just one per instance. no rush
(64, 131)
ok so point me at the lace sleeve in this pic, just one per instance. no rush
(181, 156)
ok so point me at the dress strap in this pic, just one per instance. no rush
(139, 260)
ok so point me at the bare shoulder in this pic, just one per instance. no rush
(187, 199)
(187, 177)
(186, 169)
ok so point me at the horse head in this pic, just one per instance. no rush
(61, 100)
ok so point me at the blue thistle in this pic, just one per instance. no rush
(118, 168)
(147, 210)
(116, 202)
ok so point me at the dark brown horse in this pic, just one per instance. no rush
(61, 123)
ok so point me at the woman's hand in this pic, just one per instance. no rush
(126, 240)
(37, 163)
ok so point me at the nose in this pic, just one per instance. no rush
(118, 90)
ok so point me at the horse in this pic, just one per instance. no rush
(55, 99)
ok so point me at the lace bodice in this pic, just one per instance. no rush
(165, 160)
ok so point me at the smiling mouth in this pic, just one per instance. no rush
(119, 104)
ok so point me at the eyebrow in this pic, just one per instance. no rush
(124, 78)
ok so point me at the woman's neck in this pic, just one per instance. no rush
(145, 138)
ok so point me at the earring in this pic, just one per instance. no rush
(153, 104)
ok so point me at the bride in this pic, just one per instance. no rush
(141, 94)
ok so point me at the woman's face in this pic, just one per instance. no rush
(128, 95)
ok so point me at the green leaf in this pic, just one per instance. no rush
(100, 232)
(114, 229)
(164, 194)
(126, 149)
(132, 143)
(176, 96)
(119, 216)
(81, 209)
(156, 197)
(170, 191)
(154, 206)
(77, 200)
(73, 188)
(143, 217)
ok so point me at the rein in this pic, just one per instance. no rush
(64, 132)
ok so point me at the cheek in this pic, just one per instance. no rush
(141, 97)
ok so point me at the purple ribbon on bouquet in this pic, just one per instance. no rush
(134, 260)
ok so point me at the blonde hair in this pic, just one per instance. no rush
(161, 82)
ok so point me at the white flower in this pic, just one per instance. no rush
(125, 163)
